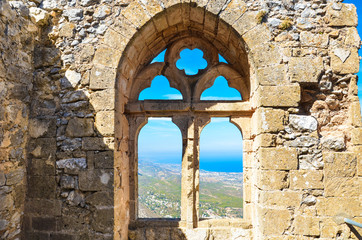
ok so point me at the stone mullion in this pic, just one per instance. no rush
(200, 123)
(186, 125)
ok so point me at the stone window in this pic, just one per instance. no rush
(190, 113)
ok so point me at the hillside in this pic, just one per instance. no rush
(160, 192)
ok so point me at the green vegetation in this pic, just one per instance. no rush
(160, 192)
(260, 16)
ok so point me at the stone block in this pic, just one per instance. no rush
(344, 61)
(105, 123)
(358, 151)
(106, 56)
(2, 178)
(346, 16)
(42, 128)
(15, 176)
(62, 236)
(98, 144)
(266, 55)
(41, 187)
(268, 120)
(355, 114)
(273, 75)
(279, 96)
(305, 69)
(332, 206)
(43, 207)
(246, 22)
(67, 30)
(42, 148)
(303, 123)
(79, 127)
(309, 39)
(283, 199)
(67, 182)
(96, 180)
(341, 187)
(264, 140)
(44, 223)
(273, 221)
(306, 225)
(306, 179)
(101, 160)
(341, 164)
(272, 180)
(102, 77)
(98, 199)
(260, 35)
(136, 14)
(356, 136)
(103, 100)
(103, 220)
(278, 158)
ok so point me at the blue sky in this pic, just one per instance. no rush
(220, 143)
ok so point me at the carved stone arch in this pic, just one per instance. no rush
(234, 80)
(147, 39)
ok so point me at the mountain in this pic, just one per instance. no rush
(159, 190)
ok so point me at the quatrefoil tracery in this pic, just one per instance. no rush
(190, 86)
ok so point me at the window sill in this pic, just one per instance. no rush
(177, 223)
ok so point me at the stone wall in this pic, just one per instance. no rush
(63, 114)
(16, 71)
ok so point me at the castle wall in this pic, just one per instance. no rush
(64, 85)
(16, 75)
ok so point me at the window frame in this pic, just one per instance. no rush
(191, 115)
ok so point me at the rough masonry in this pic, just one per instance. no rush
(69, 74)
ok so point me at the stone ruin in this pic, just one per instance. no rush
(70, 74)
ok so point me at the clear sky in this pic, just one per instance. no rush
(220, 143)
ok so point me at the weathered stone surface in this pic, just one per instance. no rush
(315, 40)
(100, 199)
(345, 61)
(44, 223)
(74, 14)
(95, 180)
(38, 16)
(341, 187)
(67, 30)
(306, 179)
(41, 187)
(80, 127)
(305, 69)
(43, 207)
(105, 123)
(283, 199)
(67, 182)
(72, 164)
(355, 114)
(273, 222)
(336, 143)
(102, 77)
(279, 96)
(303, 123)
(73, 77)
(101, 160)
(272, 180)
(42, 128)
(307, 225)
(278, 158)
(2, 179)
(268, 120)
(346, 16)
(103, 220)
(107, 57)
(356, 136)
(42, 148)
(103, 100)
(15, 177)
(275, 75)
(332, 206)
(340, 164)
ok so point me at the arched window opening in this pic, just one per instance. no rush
(191, 61)
(160, 89)
(220, 91)
(160, 57)
(221, 178)
(222, 59)
(159, 169)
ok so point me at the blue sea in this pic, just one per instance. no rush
(207, 163)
